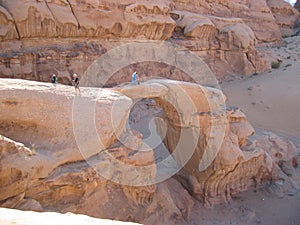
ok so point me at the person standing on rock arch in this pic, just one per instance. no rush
(134, 78)
(75, 82)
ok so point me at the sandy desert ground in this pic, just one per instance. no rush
(271, 101)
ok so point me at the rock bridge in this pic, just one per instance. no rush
(206, 139)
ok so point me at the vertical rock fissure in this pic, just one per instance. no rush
(50, 12)
(17, 29)
(249, 59)
(73, 12)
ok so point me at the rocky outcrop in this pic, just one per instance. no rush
(77, 187)
(209, 143)
(231, 42)
(72, 34)
(256, 14)
(225, 33)
(55, 109)
(286, 17)
(69, 18)
(66, 169)
(12, 216)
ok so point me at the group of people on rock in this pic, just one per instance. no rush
(75, 82)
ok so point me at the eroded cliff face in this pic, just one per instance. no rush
(36, 35)
(69, 18)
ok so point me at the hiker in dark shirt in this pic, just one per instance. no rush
(54, 79)
(75, 83)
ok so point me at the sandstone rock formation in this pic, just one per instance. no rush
(52, 174)
(256, 14)
(288, 24)
(211, 156)
(88, 19)
(215, 170)
(72, 34)
(230, 38)
(51, 120)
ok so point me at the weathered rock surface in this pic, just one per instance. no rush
(55, 176)
(230, 40)
(57, 112)
(87, 19)
(286, 17)
(256, 14)
(13, 216)
(97, 26)
(216, 164)
(208, 143)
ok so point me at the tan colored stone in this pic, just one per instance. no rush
(209, 28)
(7, 28)
(62, 18)
(255, 13)
(59, 115)
(215, 159)
(286, 17)
(208, 141)
(238, 36)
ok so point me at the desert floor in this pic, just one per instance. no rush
(271, 101)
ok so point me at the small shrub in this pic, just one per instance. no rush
(275, 65)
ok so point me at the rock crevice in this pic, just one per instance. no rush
(72, 10)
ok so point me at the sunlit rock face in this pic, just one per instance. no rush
(210, 142)
(60, 166)
(39, 38)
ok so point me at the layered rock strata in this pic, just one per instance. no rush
(36, 37)
(65, 168)
(209, 142)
